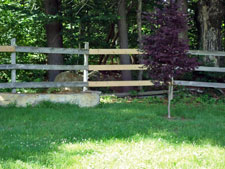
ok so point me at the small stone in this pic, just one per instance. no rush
(69, 77)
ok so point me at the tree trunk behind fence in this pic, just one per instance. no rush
(183, 4)
(210, 16)
(123, 36)
(54, 36)
(139, 24)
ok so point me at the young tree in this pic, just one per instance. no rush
(166, 52)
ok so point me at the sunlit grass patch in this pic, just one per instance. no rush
(116, 135)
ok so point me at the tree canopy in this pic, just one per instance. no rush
(96, 22)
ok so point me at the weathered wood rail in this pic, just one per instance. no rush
(13, 49)
(26, 49)
(42, 84)
(41, 67)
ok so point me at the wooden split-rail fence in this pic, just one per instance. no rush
(13, 49)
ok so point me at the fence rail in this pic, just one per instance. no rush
(42, 85)
(27, 49)
(13, 49)
(93, 67)
(199, 84)
(41, 67)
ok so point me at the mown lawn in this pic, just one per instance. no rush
(116, 135)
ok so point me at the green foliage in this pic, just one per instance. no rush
(93, 21)
(18, 19)
(53, 90)
(181, 95)
(133, 93)
(223, 32)
(193, 34)
(195, 98)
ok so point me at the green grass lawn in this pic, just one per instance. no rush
(115, 135)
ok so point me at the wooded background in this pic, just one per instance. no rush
(104, 24)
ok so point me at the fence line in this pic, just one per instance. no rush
(41, 67)
(199, 84)
(114, 52)
(93, 67)
(26, 49)
(86, 67)
(210, 69)
(42, 84)
(116, 67)
(7, 49)
(120, 83)
(206, 53)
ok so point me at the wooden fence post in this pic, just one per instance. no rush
(13, 61)
(170, 97)
(85, 76)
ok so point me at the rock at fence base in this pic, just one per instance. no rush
(69, 77)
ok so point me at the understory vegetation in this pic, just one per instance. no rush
(119, 133)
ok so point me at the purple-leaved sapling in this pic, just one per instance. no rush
(166, 52)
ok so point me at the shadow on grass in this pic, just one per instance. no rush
(37, 131)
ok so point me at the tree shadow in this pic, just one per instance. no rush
(26, 132)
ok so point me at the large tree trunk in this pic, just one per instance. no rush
(210, 16)
(139, 24)
(54, 36)
(123, 39)
(183, 7)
